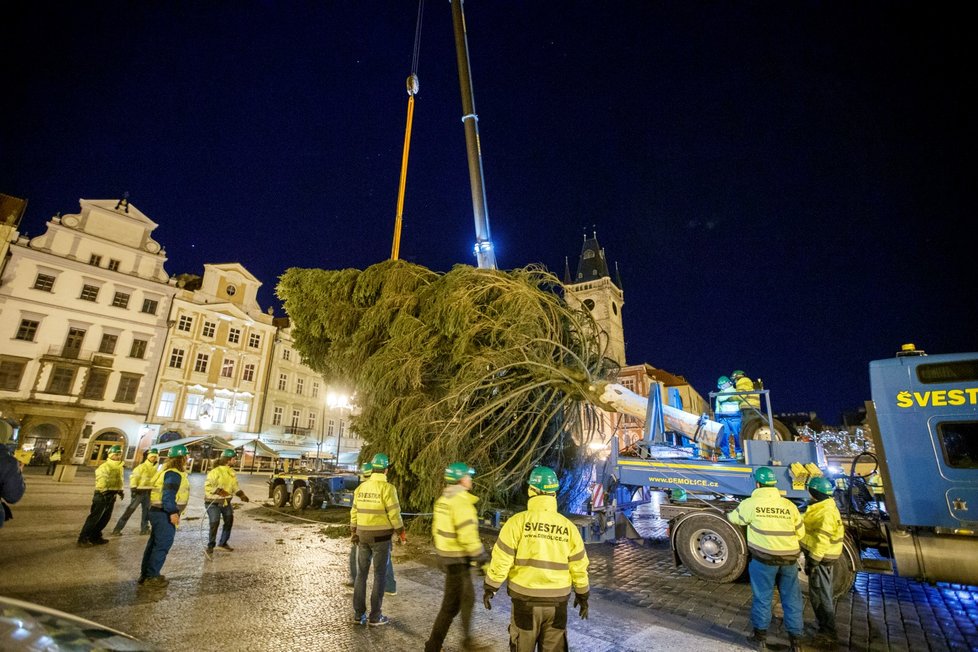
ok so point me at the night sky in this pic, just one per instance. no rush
(786, 187)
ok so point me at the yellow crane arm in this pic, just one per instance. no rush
(412, 89)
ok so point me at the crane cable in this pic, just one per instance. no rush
(412, 89)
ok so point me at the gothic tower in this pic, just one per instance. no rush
(594, 289)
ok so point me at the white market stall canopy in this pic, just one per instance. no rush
(254, 446)
(290, 452)
(202, 440)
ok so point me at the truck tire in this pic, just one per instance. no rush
(845, 568)
(280, 495)
(300, 498)
(711, 548)
(758, 429)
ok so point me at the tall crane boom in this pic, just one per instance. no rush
(484, 253)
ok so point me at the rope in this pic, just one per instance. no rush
(417, 39)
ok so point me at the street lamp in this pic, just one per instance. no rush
(337, 401)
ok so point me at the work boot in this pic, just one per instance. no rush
(225, 546)
(759, 639)
(472, 645)
(794, 643)
(116, 533)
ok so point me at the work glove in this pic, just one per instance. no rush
(402, 537)
(244, 498)
(221, 493)
(580, 600)
(355, 539)
(122, 494)
(487, 595)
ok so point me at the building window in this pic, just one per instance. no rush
(286, 354)
(185, 323)
(311, 421)
(220, 413)
(192, 407)
(208, 329)
(107, 345)
(277, 416)
(176, 358)
(295, 418)
(62, 378)
(227, 368)
(44, 282)
(95, 384)
(283, 382)
(299, 383)
(150, 306)
(95, 259)
(234, 335)
(138, 349)
(241, 413)
(11, 373)
(200, 365)
(248, 375)
(254, 340)
(120, 300)
(168, 401)
(315, 389)
(89, 293)
(113, 264)
(27, 330)
(128, 386)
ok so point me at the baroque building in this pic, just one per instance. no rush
(103, 347)
(83, 310)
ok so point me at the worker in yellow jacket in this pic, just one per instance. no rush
(455, 531)
(375, 517)
(168, 499)
(140, 484)
(220, 486)
(822, 545)
(108, 487)
(774, 529)
(541, 554)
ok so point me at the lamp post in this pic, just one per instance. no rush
(319, 444)
(337, 401)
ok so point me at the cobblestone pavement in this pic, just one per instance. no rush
(282, 589)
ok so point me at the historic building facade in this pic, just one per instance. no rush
(83, 312)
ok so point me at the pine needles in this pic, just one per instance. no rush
(484, 366)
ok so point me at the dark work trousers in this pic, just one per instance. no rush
(98, 516)
(820, 595)
(216, 511)
(159, 544)
(375, 554)
(538, 627)
(458, 598)
(139, 498)
(390, 585)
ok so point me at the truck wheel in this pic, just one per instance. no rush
(280, 495)
(844, 569)
(300, 498)
(758, 429)
(711, 548)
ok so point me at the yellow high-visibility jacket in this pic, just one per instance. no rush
(376, 513)
(541, 553)
(220, 477)
(455, 525)
(108, 476)
(745, 384)
(183, 493)
(774, 526)
(142, 476)
(824, 531)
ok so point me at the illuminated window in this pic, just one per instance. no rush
(168, 401)
(241, 413)
(192, 407)
(220, 414)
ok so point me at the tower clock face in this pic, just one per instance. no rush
(589, 304)
(231, 290)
